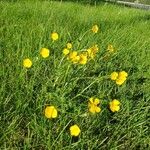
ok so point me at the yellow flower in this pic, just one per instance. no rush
(54, 36)
(75, 130)
(76, 59)
(114, 75)
(92, 105)
(50, 112)
(73, 56)
(114, 105)
(69, 45)
(65, 51)
(92, 51)
(27, 63)
(83, 59)
(95, 29)
(44, 52)
(110, 48)
(120, 77)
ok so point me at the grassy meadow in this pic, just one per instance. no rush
(25, 28)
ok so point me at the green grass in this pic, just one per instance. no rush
(25, 28)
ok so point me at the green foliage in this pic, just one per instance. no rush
(25, 29)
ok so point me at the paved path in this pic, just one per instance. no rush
(130, 4)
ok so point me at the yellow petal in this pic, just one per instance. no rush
(91, 100)
(123, 74)
(115, 102)
(97, 109)
(92, 109)
(120, 81)
(96, 101)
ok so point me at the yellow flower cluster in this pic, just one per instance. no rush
(80, 58)
(74, 57)
(44, 52)
(51, 112)
(120, 77)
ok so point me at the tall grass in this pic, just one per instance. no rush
(25, 29)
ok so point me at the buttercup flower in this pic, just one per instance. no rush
(114, 105)
(114, 75)
(50, 112)
(73, 56)
(54, 36)
(69, 45)
(65, 51)
(92, 51)
(92, 105)
(27, 63)
(74, 130)
(110, 48)
(44, 52)
(120, 77)
(95, 29)
(83, 59)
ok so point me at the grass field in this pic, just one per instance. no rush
(25, 28)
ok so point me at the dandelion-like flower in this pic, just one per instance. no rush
(66, 51)
(54, 36)
(120, 77)
(110, 48)
(95, 29)
(74, 130)
(69, 45)
(44, 52)
(73, 56)
(114, 105)
(27, 63)
(92, 51)
(83, 59)
(50, 112)
(114, 75)
(93, 105)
